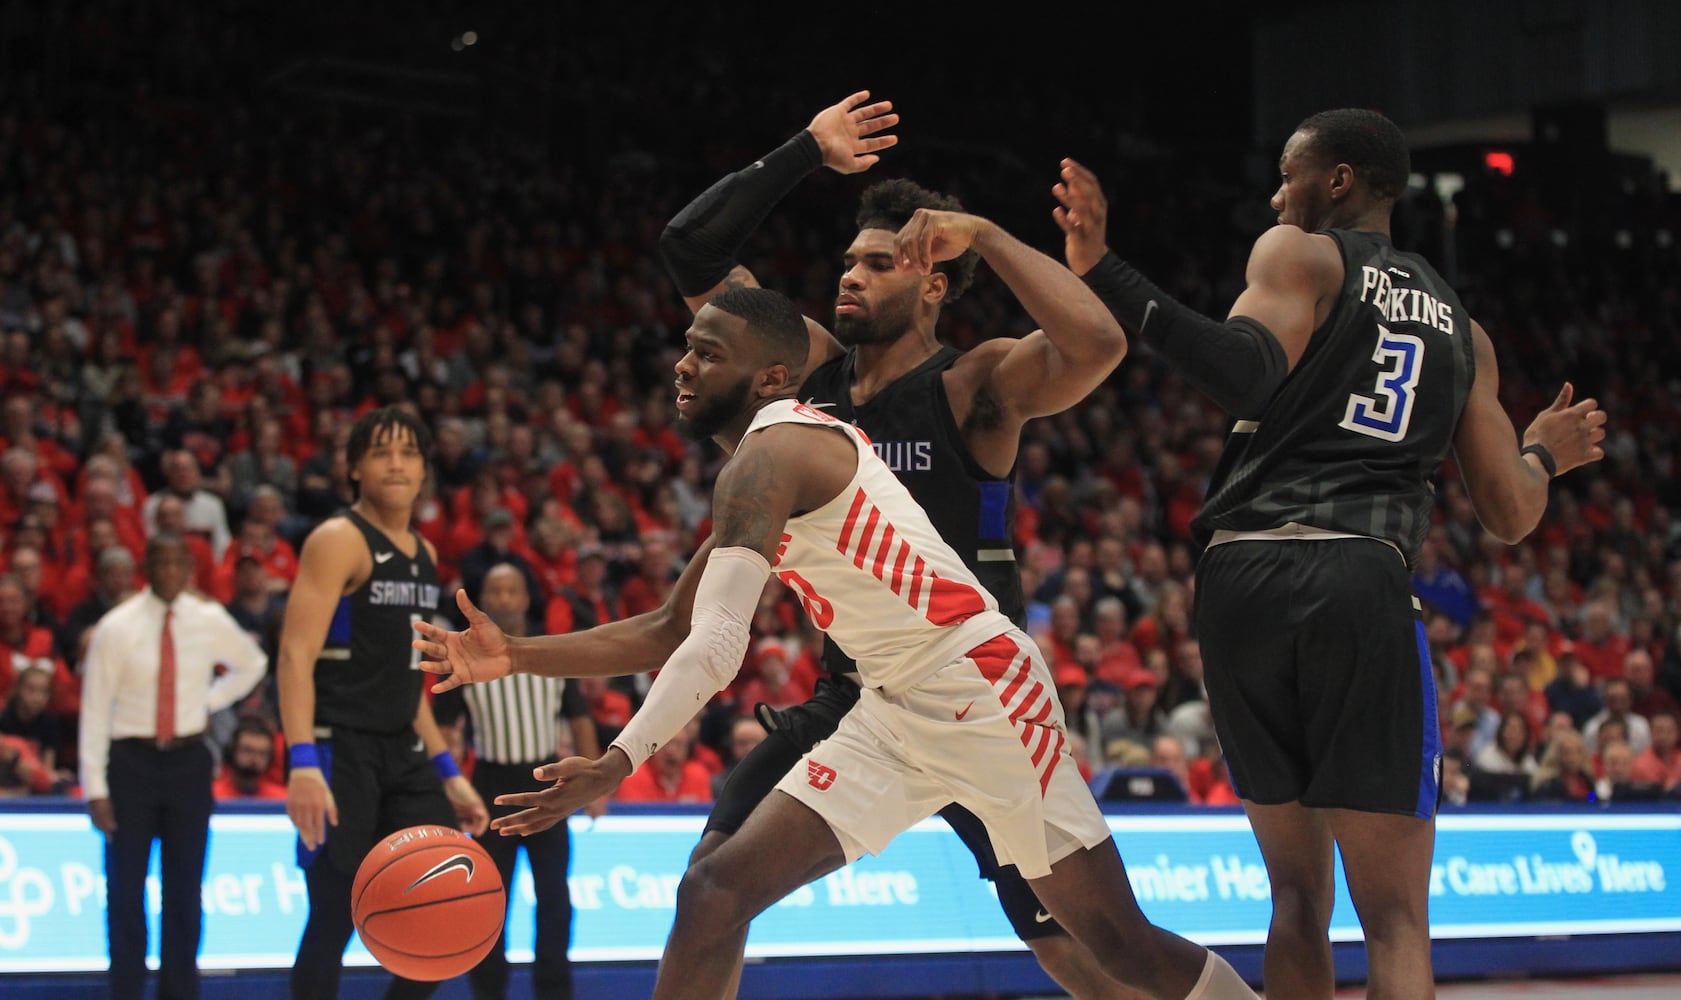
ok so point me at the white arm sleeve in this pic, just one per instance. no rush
(725, 599)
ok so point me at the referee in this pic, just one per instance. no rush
(516, 727)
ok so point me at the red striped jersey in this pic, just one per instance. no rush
(873, 573)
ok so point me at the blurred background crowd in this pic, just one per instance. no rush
(215, 255)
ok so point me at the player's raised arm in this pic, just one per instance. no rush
(1078, 343)
(700, 243)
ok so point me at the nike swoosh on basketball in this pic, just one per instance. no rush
(965, 711)
(382, 557)
(454, 861)
(1042, 917)
(814, 404)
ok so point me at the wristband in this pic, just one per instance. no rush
(302, 755)
(1540, 451)
(445, 763)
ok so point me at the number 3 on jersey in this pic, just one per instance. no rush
(1387, 412)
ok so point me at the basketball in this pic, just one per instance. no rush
(428, 902)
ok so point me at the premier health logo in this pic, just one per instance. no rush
(1537, 874)
(26, 894)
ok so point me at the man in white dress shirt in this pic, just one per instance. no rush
(149, 684)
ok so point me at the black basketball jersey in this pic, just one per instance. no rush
(910, 426)
(368, 675)
(1353, 436)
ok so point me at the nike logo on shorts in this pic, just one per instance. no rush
(965, 711)
(383, 557)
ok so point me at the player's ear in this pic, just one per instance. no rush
(1342, 180)
(775, 379)
(934, 287)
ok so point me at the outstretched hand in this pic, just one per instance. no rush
(933, 236)
(578, 782)
(1083, 215)
(846, 133)
(1571, 431)
(478, 654)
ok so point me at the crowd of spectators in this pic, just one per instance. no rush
(199, 295)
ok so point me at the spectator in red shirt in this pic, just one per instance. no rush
(40, 579)
(1660, 763)
(669, 775)
(19, 431)
(257, 541)
(1600, 646)
(99, 499)
(1648, 698)
(23, 645)
(656, 573)
(1210, 782)
(245, 765)
(654, 432)
(552, 553)
(1510, 605)
(588, 602)
(1058, 640)
(1117, 656)
(19, 470)
(774, 683)
(609, 707)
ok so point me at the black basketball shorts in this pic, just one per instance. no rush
(1319, 676)
(382, 783)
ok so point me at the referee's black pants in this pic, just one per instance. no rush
(550, 855)
(159, 795)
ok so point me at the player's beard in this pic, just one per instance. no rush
(885, 323)
(711, 416)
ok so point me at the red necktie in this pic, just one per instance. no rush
(166, 683)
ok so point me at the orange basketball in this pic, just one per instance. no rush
(428, 902)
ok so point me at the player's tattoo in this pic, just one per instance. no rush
(741, 501)
(739, 277)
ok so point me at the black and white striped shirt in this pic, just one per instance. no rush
(516, 719)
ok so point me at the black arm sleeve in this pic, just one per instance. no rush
(700, 243)
(1239, 363)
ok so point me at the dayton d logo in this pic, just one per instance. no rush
(821, 777)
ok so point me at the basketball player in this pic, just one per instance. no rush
(958, 703)
(1352, 369)
(358, 730)
(947, 423)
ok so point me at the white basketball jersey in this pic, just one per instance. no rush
(873, 573)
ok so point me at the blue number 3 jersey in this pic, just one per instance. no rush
(1352, 438)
